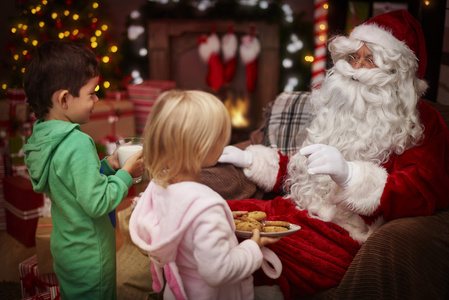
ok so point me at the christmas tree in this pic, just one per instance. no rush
(78, 21)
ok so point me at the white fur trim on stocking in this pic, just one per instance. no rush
(249, 48)
(363, 194)
(265, 167)
(229, 45)
(207, 46)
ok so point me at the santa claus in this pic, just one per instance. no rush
(374, 152)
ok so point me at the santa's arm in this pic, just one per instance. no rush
(417, 182)
(264, 166)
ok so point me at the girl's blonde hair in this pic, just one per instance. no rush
(180, 131)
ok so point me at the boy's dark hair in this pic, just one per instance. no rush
(55, 66)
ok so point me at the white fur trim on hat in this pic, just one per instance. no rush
(373, 33)
(265, 167)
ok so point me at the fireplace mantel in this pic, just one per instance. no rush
(169, 39)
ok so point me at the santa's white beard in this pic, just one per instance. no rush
(361, 113)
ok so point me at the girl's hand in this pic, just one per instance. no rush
(134, 165)
(238, 213)
(262, 241)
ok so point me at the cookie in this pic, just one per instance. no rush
(274, 229)
(278, 223)
(258, 215)
(247, 226)
(236, 221)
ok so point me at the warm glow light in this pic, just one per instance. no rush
(104, 27)
(34, 42)
(97, 88)
(22, 70)
(93, 39)
(76, 17)
(322, 38)
(25, 40)
(54, 15)
(20, 25)
(13, 30)
(238, 109)
(325, 6)
(322, 26)
(61, 35)
(94, 45)
(33, 11)
(75, 32)
(4, 86)
(98, 32)
(105, 59)
(106, 84)
(309, 58)
(24, 52)
(66, 13)
(114, 49)
(95, 5)
(44, 2)
(41, 24)
(426, 2)
(16, 57)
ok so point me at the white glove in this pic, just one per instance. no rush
(236, 156)
(328, 160)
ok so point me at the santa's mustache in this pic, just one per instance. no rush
(371, 77)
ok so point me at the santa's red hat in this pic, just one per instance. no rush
(396, 30)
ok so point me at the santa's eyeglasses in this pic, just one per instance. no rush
(357, 61)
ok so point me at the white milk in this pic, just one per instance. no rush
(124, 152)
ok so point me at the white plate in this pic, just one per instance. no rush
(248, 234)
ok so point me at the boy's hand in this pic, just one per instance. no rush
(134, 165)
(262, 241)
(113, 160)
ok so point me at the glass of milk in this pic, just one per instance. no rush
(127, 147)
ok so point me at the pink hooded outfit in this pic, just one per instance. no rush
(188, 231)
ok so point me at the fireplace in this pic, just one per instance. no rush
(173, 55)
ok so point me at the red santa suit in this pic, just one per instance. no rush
(396, 145)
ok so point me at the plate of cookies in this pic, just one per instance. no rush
(245, 224)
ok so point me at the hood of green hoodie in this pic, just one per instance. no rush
(40, 148)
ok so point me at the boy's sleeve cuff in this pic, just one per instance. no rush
(107, 169)
(125, 176)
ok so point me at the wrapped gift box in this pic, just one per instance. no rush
(23, 207)
(42, 296)
(31, 282)
(143, 96)
(111, 118)
(44, 257)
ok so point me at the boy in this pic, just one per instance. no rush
(60, 83)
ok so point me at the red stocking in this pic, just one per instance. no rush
(209, 50)
(229, 48)
(249, 52)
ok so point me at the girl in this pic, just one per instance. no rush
(187, 228)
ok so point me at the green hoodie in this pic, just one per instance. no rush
(63, 163)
